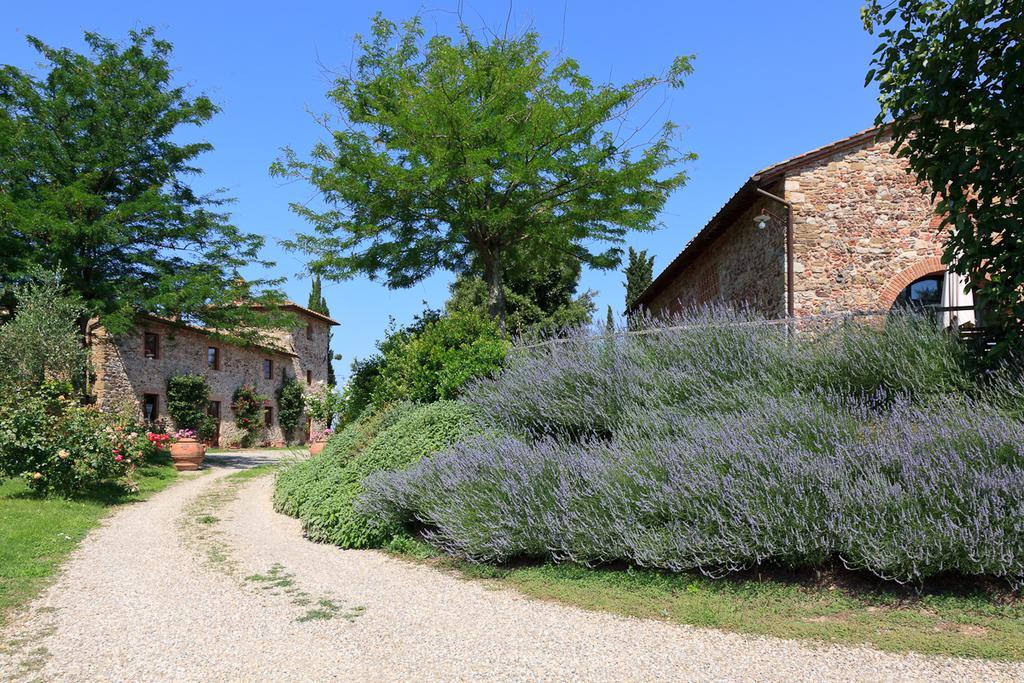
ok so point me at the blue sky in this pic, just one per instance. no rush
(771, 80)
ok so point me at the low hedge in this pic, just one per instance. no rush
(322, 490)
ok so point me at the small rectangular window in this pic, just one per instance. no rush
(213, 358)
(151, 345)
(151, 407)
(268, 417)
(268, 369)
(309, 330)
(309, 376)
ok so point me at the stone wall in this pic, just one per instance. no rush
(123, 372)
(863, 229)
(860, 221)
(742, 266)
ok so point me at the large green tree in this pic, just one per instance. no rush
(94, 171)
(450, 153)
(951, 75)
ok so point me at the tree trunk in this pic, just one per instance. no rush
(495, 288)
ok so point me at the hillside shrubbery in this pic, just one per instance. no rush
(726, 445)
(322, 490)
(429, 360)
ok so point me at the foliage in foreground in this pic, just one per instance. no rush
(60, 446)
(950, 80)
(727, 445)
(717, 361)
(321, 491)
(904, 492)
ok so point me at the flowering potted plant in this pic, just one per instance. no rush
(187, 451)
(318, 439)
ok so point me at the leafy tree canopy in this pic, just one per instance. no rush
(93, 181)
(539, 296)
(455, 152)
(951, 75)
(41, 341)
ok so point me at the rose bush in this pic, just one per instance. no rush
(62, 447)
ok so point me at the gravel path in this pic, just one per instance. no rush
(200, 584)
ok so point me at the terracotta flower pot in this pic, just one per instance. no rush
(187, 454)
(316, 446)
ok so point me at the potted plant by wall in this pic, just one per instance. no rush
(187, 450)
(318, 439)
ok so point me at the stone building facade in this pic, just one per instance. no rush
(136, 367)
(864, 231)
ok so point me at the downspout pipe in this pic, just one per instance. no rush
(790, 278)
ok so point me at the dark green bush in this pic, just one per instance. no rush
(322, 490)
(435, 364)
(188, 400)
(293, 484)
(290, 402)
(430, 360)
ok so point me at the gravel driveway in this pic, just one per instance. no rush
(201, 584)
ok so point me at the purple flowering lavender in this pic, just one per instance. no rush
(906, 493)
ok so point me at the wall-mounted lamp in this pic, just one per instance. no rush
(762, 220)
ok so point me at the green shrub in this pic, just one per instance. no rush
(435, 364)
(63, 447)
(322, 490)
(323, 404)
(188, 400)
(43, 340)
(292, 486)
(290, 401)
(246, 404)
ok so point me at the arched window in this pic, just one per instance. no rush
(922, 295)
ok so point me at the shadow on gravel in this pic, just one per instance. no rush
(243, 460)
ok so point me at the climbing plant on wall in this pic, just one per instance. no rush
(247, 404)
(290, 401)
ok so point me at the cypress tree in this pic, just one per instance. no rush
(317, 302)
(639, 275)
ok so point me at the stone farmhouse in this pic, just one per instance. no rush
(136, 367)
(864, 237)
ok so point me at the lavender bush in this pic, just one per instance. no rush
(716, 361)
(906, 493)
(727, 444)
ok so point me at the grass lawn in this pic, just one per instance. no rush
(967, 624)
(36, 534)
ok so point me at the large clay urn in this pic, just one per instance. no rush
(316, 446)
(187, 454)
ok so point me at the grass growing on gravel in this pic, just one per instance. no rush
(37, 534)
(973, 624)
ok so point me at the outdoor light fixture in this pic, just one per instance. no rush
(762, 222)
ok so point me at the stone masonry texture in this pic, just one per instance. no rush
(864, 229)
(124, 373)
